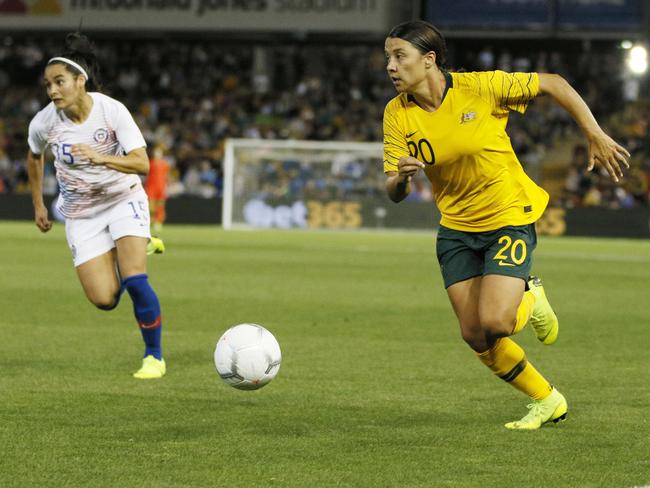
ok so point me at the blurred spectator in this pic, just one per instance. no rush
(156, 184)
(190, 95)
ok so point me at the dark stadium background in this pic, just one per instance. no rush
(309, 69)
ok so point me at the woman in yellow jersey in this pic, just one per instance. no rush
(452, 126)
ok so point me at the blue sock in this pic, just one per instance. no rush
(147, 312)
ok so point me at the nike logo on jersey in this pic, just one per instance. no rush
(410, 135)
(502, 263)
(467, 117)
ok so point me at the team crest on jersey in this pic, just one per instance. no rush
(100, 135)
(467, 117)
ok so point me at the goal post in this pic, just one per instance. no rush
(314, 185)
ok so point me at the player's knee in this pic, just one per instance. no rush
(105, 303)
(497, 324)
(473, 337)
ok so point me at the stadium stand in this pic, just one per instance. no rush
(190, 95)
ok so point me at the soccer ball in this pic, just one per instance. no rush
(247, 356)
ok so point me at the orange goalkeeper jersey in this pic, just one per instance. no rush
(156, 183)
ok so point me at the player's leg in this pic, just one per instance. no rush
(153, 204)
(155, 245)
(464, 299)
(154, 213)
(462, 267)
(502, 355)
(100, 281)
(93, 254)
(508, 361)
(461, 262)
(499, 299)
(129, 228)
(483, 327)
(158, 214)
(132, 258)
(510, 254)
(162, 211)
(543, 319)
(504, 307)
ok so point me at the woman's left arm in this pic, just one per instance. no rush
(135, 161)
(603, 150)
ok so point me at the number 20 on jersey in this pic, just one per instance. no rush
(422, 150)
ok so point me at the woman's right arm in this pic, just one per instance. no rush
(35, 164)
(396, 155)
(398, 183)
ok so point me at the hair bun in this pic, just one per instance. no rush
(80, 49)
(76, 42)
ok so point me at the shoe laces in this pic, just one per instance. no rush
(535, 408)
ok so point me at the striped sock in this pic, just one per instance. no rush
(508, 361)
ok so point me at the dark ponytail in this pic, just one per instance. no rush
(79, 49)
(424, 36)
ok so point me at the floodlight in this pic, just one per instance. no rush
(637, 60)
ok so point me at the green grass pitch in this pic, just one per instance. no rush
(376, 387)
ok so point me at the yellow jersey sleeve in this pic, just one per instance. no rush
(395, 144)
(503, 91)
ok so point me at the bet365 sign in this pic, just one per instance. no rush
(310, 214)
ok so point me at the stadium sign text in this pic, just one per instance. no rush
(255, 6)
(186, 15)
(311, 214)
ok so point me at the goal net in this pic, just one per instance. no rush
(314, 185)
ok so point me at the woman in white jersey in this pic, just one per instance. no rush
(98, 153)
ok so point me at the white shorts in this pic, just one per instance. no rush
(94, 236)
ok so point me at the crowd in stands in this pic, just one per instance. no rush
(595, 189)
(190, 95)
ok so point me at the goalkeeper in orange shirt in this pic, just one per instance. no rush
(452, 126)
(156, 188)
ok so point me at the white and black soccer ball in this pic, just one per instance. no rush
(247, 356)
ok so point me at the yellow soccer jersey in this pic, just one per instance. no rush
(477, 180)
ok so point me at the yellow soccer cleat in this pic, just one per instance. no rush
(155, 246)
(543, 319)
(152, 368)
(553, 408)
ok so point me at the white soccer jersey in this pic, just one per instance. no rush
(86, 188)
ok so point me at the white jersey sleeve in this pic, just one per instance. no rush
(126, 130)
(37, 138)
